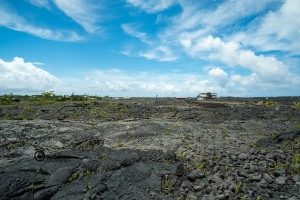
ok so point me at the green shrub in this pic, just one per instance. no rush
(270, 103)
(45, 97)
(296, 105)
(6, 99)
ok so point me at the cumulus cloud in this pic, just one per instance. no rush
(278, 30)
(219, 75)
(139, 83)
(19, 75)
(230, 53)
(85, 13)
(284, 22)
(152, 6)
(15, 22)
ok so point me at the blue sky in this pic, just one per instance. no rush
(173, 48)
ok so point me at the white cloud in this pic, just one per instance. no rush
(12, 21)
(253, 85)
(278, 30)
(245, 82)
(85, 13)
(219, 75)
(197, 20)
(240, 9)
(152, 6)
(160, 53)
(230, 53)
(140, 83)
(131, 29)
(40, 3)
(149, 84)
(127, 50)
(19, 75)
(193, 28)
(284, 22)
(155, 51)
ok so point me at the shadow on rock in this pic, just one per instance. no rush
(102, 173)
(278, 139)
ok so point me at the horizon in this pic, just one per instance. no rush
(149, 97)
(142, 48)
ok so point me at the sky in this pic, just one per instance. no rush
(144, 48)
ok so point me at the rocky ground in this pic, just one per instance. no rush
(151, 149)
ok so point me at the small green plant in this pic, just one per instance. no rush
(174, 109)
(100, 170)
(224, 131)
(188, 146)
(74, 176)
(250, 183)
(217, 156)
(31, 187)
(287, 165)
(200, 165)
(38, 170)
(10, 146)
(165, 184)
(270, 103)
(244, 197)
(182, 154)
(226, 168)
(103, 156)
(181, 136)
(278, 167)
(175, 124)
(260, 103)
(121, 112)
(27, 110)
(103, 114)
(88, 187)
(90, 126)
(176, 157)
(88, 173)
(20, 117)
(91, 147)
(181, 197)
(166, 163)
(296, 160)
(95, 147)
(187, 166)
(269, 170)
(120, 144)
(238, 187)
(258, 197)
(296, 105)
